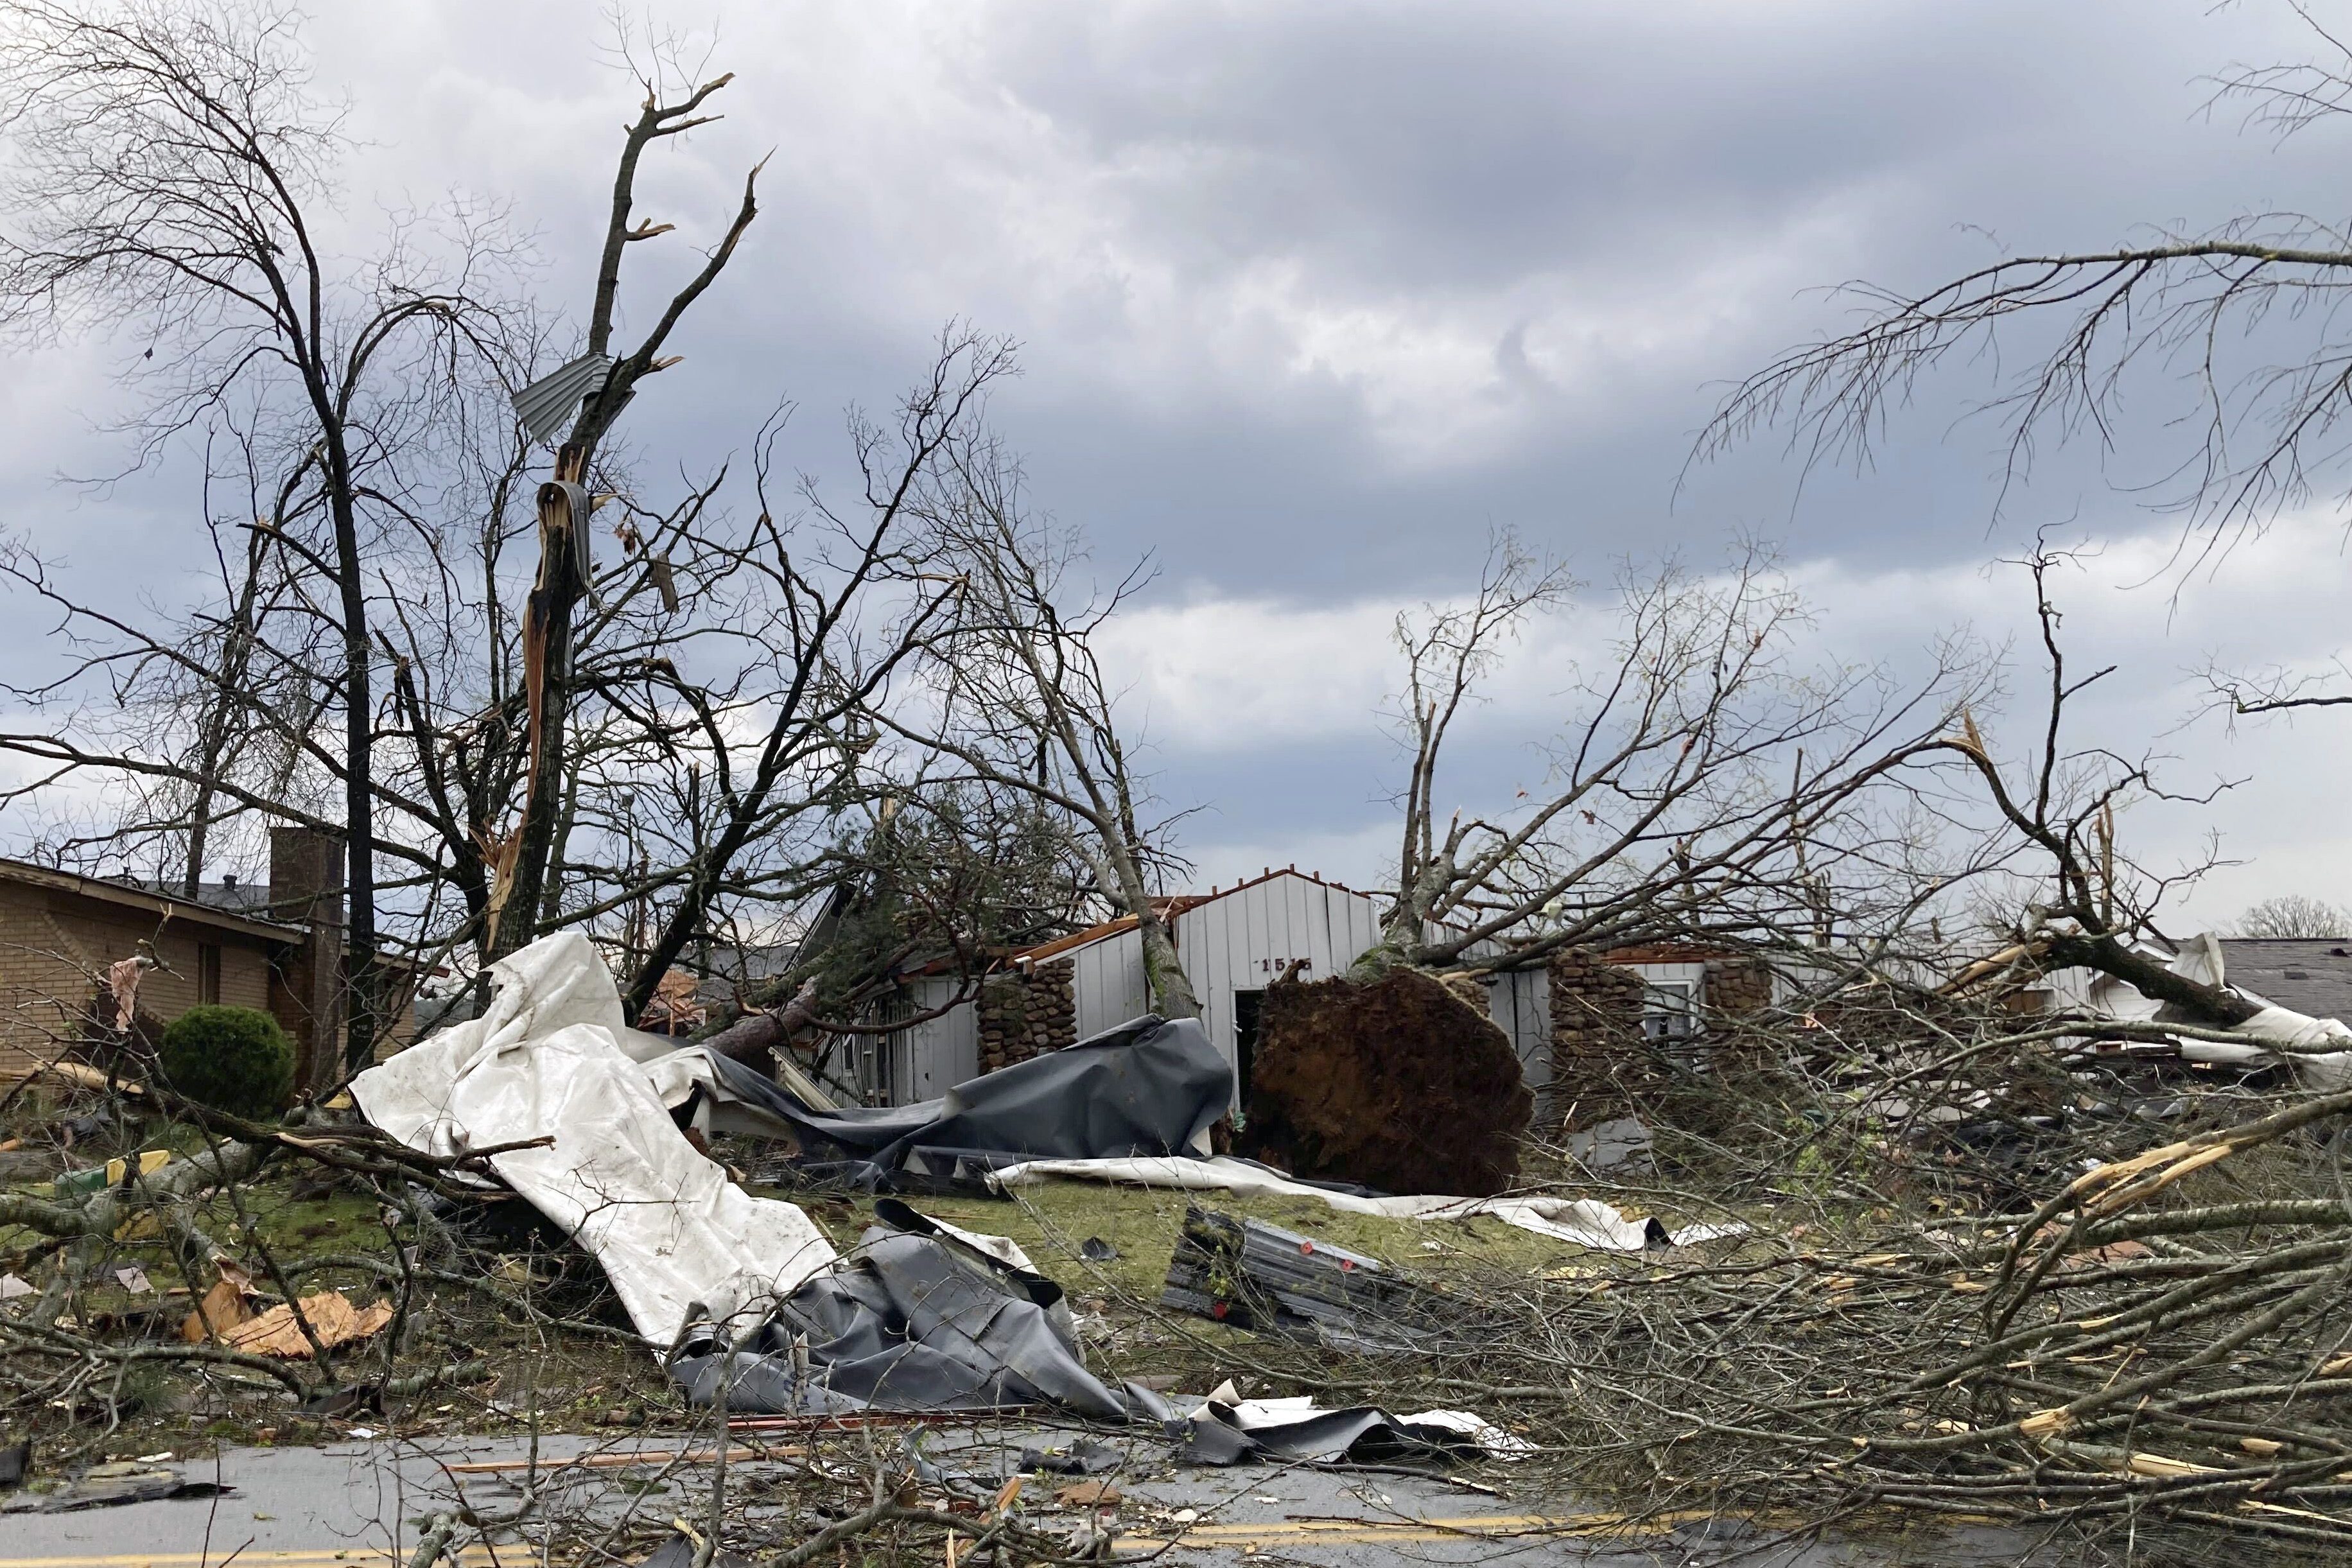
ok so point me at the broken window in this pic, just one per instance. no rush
(1667, 1010)
(208, 965)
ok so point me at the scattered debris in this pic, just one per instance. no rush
(1619, 1147)
(1229, 1430)
(679, 1552)
(1086, 1456)
(1586, 1222)
(1095, 1250)
(332, 1318)
(112, 1485)
(81, 1182)
(1270, 1281)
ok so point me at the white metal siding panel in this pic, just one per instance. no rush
(1244, 940)
(940, 1052)
(1108, 985)
(1360, 920)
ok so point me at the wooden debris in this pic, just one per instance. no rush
(332, 1317)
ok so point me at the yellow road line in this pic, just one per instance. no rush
(1489, 1524)
(315, 1557)
(1301, 1531)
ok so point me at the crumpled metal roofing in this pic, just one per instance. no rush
(545, 404)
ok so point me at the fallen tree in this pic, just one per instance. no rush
(1395, 1083)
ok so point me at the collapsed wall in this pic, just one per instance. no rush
(1025, 1013)
(1600, 1062)
(1605, 1067)
(1398, 1084)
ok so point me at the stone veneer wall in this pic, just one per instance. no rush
(1023, 1014)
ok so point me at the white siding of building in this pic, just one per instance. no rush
(1244, 940)
(1107, 984)
(1232, 942)
(939, 1053)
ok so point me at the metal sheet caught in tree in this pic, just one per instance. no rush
(545, 404)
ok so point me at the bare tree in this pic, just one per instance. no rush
(2091, 903)
(1021, 702)
(2240, 324)
(2293, 915)
(663, 744)
(812, 713)
(169, 173)
(1707, 786)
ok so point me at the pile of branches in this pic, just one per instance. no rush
(2163, 1344)
(58, 1351)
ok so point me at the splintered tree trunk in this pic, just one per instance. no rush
(547, 667)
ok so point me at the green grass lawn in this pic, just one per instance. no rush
(1050, 1221)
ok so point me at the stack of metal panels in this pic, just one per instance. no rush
(1270, 1281)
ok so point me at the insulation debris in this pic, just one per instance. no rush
(1584, 1222)
(552, 1061)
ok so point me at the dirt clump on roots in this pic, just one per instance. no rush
(1397, 1084)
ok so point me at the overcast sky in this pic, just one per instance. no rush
(1312, 296)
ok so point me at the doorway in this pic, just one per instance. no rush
(1246, 1014)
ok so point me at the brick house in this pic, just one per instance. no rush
(277, 948)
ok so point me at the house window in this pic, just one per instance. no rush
(208, 975)
(1666, 1011)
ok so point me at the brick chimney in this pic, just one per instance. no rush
(306, 991)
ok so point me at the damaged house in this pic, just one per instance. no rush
(1238, 941)
(275, 946)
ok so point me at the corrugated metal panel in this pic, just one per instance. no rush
(545, 404)
(1107, 984)
(940, 1052)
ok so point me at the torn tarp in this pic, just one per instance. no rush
(745, 1291)
(1150, 1087)
(908, 1322)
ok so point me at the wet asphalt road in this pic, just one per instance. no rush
(357, 1504)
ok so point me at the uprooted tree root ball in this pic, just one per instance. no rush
(1396, 1083)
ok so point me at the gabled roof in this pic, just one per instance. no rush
(163, 905)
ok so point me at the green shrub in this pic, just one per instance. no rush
(234, 1059)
